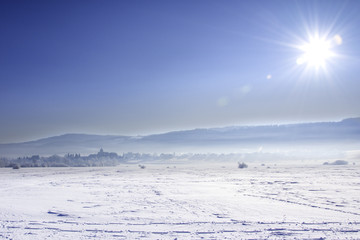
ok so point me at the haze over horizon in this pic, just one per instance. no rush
(185, 130)
(138, 68)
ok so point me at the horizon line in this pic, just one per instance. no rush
(180, 130)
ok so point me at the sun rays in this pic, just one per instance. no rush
(318, 51)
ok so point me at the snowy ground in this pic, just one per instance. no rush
(186, 202)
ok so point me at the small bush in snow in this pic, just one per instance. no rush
(337, 162)
(242, 165)
(15, 166)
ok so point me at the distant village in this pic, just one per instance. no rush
(103, 159)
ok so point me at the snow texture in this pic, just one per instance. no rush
(183, 202)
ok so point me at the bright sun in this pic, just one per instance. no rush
(316, 52)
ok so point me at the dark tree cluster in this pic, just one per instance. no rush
(69, 160)
(103, 158)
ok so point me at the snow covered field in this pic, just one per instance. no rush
(216, 201)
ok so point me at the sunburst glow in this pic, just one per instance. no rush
(316, 52)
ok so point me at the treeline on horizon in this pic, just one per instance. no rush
(104, 159)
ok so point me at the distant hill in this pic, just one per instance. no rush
(343, 134)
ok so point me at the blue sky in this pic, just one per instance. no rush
(140, 67)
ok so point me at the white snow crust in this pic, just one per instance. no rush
(216, 201)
